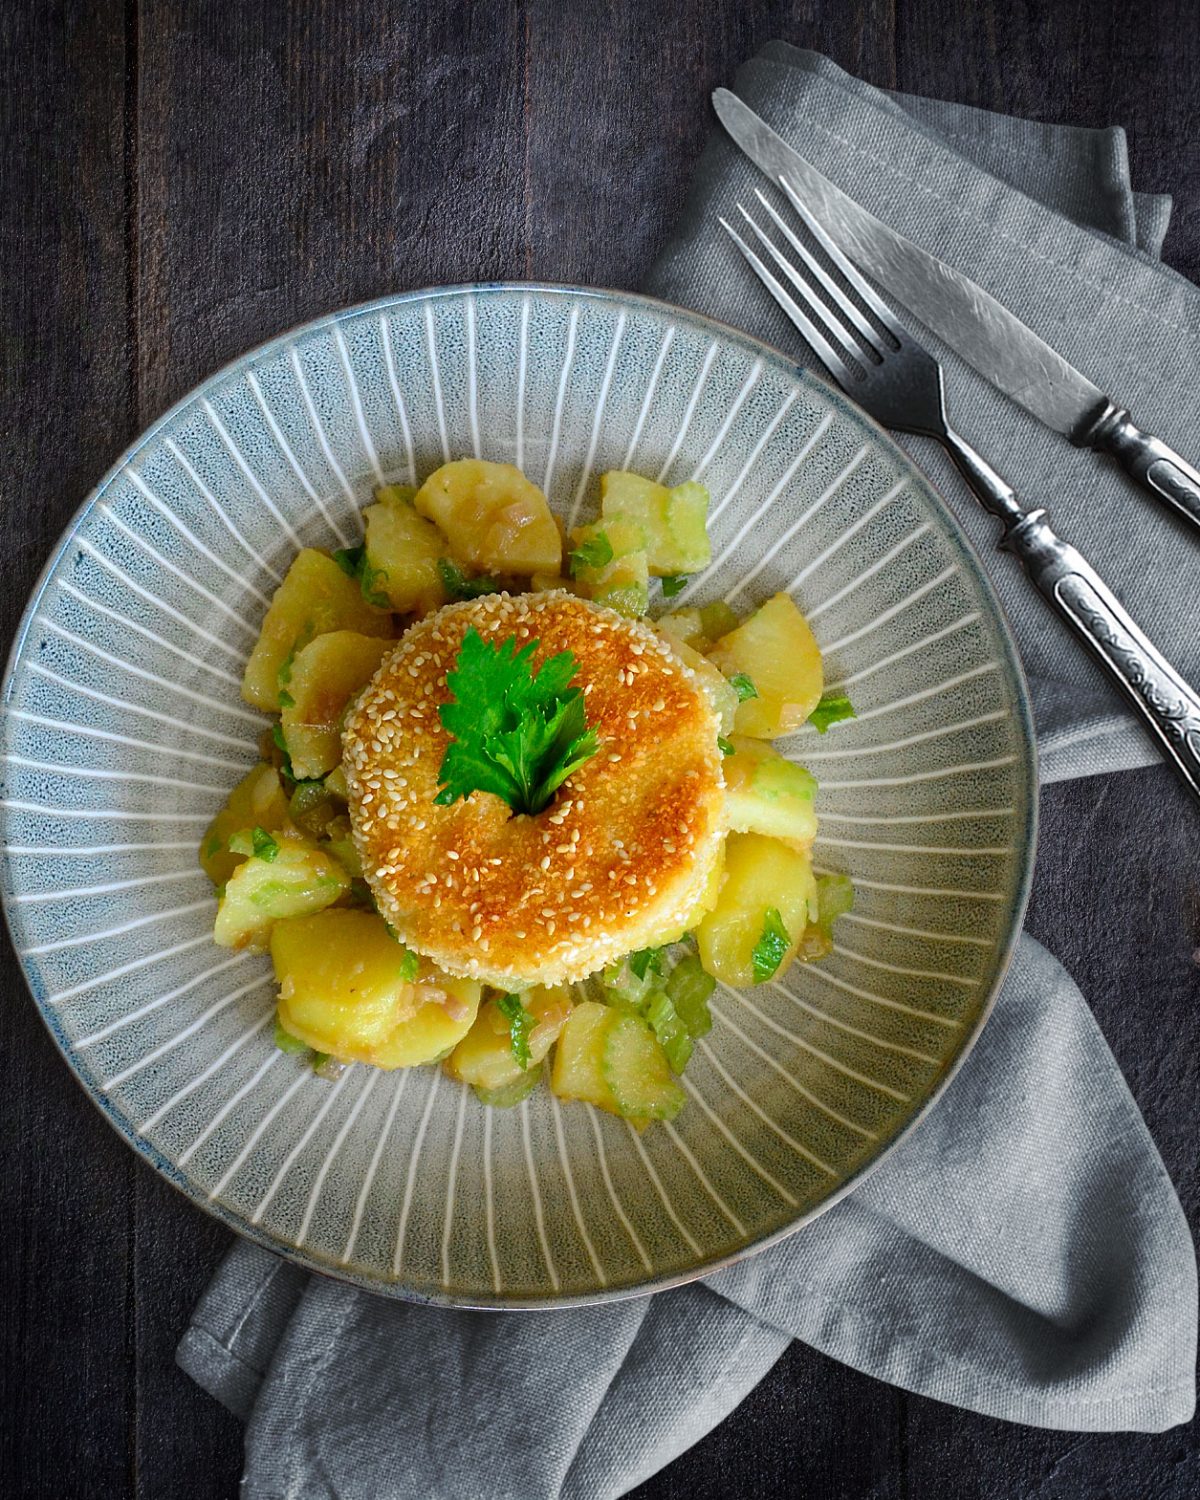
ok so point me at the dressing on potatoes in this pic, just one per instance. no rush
(582, 943)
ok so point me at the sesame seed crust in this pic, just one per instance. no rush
(618, 859)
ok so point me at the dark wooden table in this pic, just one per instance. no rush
(181, 180)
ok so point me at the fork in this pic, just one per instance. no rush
(899, 383)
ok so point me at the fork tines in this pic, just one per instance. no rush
(818, 320)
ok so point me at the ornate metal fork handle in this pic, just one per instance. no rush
(1165, 702)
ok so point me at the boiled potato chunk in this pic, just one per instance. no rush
(494, 518)
(761, 874)
(395, 494)
(672, 520)
(316, 596)
(403, 549)
(297, 879)
(622, 582)
(258, 801)
(776, 650)
(325, 675)
(343, 990)
(684, 626)
(578, 1071)
(484, 1058)
(766, 794)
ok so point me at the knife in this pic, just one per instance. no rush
(970, 320)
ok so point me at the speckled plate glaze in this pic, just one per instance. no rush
(124, 731)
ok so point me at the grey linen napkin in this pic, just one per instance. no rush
(1023, 1254)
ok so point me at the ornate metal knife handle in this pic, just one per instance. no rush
(1167, 705)
(1147, 459)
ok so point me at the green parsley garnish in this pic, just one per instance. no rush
(285, 699)
(459, 586)
(832, 709)
(520, 1024)
(674, 583)
(349, 559)
(595, 552)
(285, 769)
(725, 746)
(771, 946)
(743, 686)
(409, 965)
(353, 562)
(256, 842)
(287, 774)
(516, 733)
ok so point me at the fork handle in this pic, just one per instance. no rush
(1147, 459)
(1169, 708)
(1167, 705)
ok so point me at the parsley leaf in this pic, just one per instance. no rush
(370, 580)
(286, 773)
(285, 768)
(520, 1024)
(673, 584)
(595, 552)
(350, 559)
(256, 842)
(514, 732)
(771, 946)
(743, 686)
(725, 746)
(285, 699)
(832, 709)
(409, 966)
(459, 586)
(353, 562)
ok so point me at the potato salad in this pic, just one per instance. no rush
(507, 822)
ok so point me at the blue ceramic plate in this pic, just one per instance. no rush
(124, 731)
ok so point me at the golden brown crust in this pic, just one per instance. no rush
(617, 859)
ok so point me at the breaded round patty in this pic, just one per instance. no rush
(618, 859)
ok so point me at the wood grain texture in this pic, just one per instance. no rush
(183, 179)
(67, 1355)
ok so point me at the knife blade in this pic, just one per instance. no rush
(970, 320)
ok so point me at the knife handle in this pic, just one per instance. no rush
(1147, 459)
(1169, 708)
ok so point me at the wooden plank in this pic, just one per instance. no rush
(65, 411)
(618, 113)
(295, 159)
(187, 1444)
(811, 1428)
(1082, 64)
